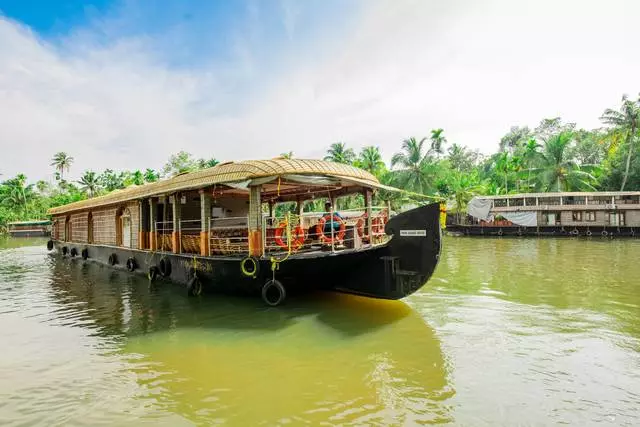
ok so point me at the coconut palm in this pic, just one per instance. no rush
(339, 153)
(62, 161)
(371, 160)
(531, 157)
(558, 171)
(417, 170)
(287, 155)
(437, 141)
(627, 120)
(463, 186)
(90, 183)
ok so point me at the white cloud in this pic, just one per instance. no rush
(403, 68)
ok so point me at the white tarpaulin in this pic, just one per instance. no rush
(525, 219)
(479, 208)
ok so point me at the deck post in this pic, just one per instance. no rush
(369, 214)
(255, 221)
(141, 226)
(153, 235)
(176, 237)
(205, 217)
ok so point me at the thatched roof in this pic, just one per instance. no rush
(223, 173)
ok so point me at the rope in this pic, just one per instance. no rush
(275, 263)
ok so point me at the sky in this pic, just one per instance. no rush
(123, 84)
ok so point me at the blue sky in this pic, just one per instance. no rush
(125, 83)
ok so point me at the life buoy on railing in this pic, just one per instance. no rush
(377, 225)
(500, 232)
(297, 236)
(339, 236)
(589, 233)
(360, 225)
(604, 233)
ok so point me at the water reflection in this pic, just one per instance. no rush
(327, 357)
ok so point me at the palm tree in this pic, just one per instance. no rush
(559, 172)
(90, 183)
(437, 141)
(62, 161)
(627, 120)
(463, 187)
(288, 155)
(339, 153)
(371, 160)
(417, 169)
(531, 157)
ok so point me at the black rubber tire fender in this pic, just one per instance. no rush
(131, 264)
(152, 275)
(65, 250)
(73, 252)
(84, 253)
(50, 245)
(194, 286)
(268, 288)
(113, 259)
(165, 267)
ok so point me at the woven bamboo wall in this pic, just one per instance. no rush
(58, 228)
(79, 229)
(104, 226)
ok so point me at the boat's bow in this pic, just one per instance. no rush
(406, 263)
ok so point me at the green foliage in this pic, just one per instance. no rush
(555, 156)
(339, 153)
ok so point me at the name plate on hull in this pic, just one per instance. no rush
(413, 233)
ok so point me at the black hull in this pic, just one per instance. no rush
(545, 231)
(390, 271)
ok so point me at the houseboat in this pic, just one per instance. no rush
(602, 214)
(227, 229)
(37, 228)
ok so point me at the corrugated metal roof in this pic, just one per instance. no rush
(225, 173)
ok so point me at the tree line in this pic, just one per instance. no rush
(554, 156)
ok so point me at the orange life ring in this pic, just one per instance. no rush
(320, 229)
(377, 227)
(297, 237)
(360, 226)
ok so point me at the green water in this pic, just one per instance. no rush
(508, 332)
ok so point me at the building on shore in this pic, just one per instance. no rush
(555, 214)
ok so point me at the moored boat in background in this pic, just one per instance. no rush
(34, 228)
(602, 214)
